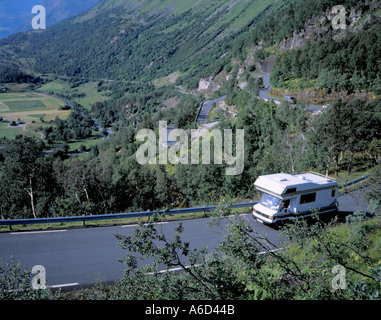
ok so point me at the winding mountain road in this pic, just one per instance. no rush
(207, 105)
(264, 93)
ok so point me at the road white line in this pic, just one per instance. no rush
(268, 251)
(136, 225)
(196, 265)
(239, 215)
(173, 269)
(33, 232)
(65, 285)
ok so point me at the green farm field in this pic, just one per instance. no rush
(36, 110)
(9, 133)
(85, 94)
(28, 106)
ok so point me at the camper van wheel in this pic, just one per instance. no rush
(278, 224)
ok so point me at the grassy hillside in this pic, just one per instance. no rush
(138, 39)
(143, 40)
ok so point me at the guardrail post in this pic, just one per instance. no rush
(10, 227)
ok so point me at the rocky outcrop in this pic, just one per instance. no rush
(320, 27)
(208, 85)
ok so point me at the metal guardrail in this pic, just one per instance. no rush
(83, 219)
(354, 182)
(345, 190)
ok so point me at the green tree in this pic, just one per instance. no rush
(326, 137)
(26, 178)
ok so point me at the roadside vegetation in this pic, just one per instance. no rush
(245, 266)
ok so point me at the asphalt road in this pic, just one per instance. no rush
(206, 107)
(80, 257)
(264, 93)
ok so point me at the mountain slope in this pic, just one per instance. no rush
(141, 40)
(134, 39)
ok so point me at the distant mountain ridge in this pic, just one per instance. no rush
(140, 39)
(145, 40)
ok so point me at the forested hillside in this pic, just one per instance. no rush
(349, 63)
(128, 48)
(139, 40)
(147, 40)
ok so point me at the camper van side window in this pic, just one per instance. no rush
(307, 198)
(290, 190)
(285, 204)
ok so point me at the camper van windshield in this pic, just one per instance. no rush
(270, 202)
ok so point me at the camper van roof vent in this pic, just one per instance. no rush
(283, 179)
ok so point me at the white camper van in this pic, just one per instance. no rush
(290, 196)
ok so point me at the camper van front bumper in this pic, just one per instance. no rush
(263, 218)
